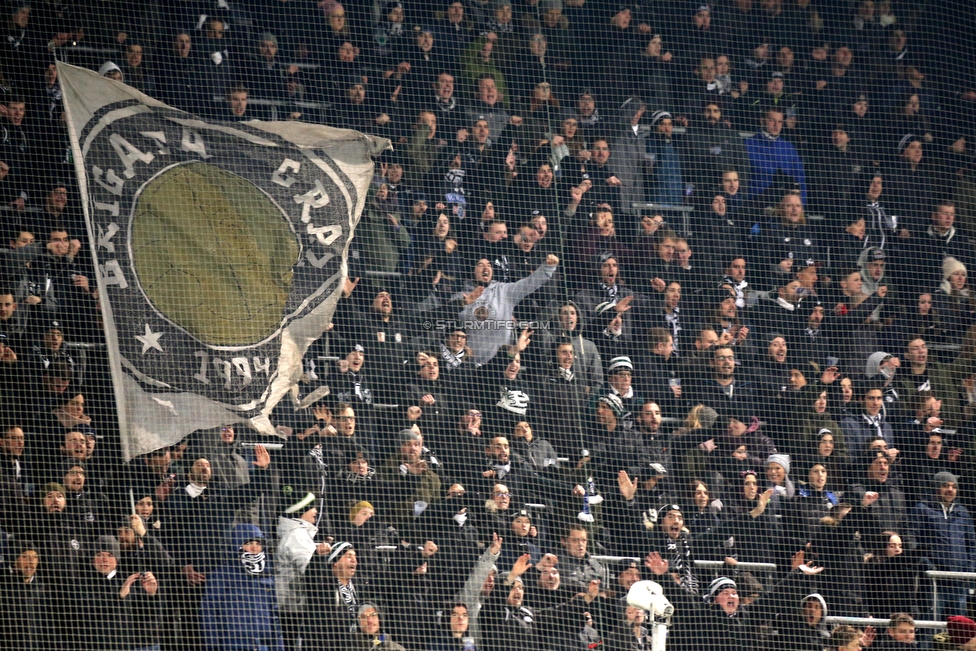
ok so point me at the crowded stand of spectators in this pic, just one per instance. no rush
(640, 285)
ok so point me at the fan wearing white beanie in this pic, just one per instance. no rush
(778, 475)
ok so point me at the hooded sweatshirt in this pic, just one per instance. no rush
(296, 546)
(587, 364)
(630, 155)
(804, 637)
(496, 307)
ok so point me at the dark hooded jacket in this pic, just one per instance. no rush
(803, 636)
(239, 608)
(27, 622)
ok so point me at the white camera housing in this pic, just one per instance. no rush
(649, 596)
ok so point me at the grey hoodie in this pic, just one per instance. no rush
(588, 363)
(630, 156)
(489, 318)
(230, 467)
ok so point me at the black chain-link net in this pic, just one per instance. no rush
(658, 291)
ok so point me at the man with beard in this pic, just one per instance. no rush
(722, 390)
(596, 180)
(666, 185)
(712, 147)
(381, 329)
(411, 485)
(61, 544)
(945, 533)
(492, 305)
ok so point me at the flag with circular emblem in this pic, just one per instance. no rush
(220, 249)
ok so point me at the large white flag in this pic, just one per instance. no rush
(220, 250)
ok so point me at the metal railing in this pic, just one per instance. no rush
(758, 567)
(935, 575)
(877, 623)
(752, 567)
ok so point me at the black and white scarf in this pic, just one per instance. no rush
(680, 562)
(739, 289)
(450, 358)
(346, 594)
(253, 563)
(875, 422)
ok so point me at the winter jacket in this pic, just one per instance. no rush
(769, 155)
(890, 512)
(801, 635)
(382, 642)
(858, 431)
(666, 186)
(27, 623)
(100, 605)
(709, 151)
(296, 546)
(945, 535)
(238, 611)
(803, 514)
(197, 526)
(228, 461)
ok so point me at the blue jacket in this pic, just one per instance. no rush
(666, 184)
(768, 156)
(946, 536)
(239, 610)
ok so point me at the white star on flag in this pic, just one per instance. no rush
(150, 340)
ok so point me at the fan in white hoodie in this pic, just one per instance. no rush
(296, 546)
